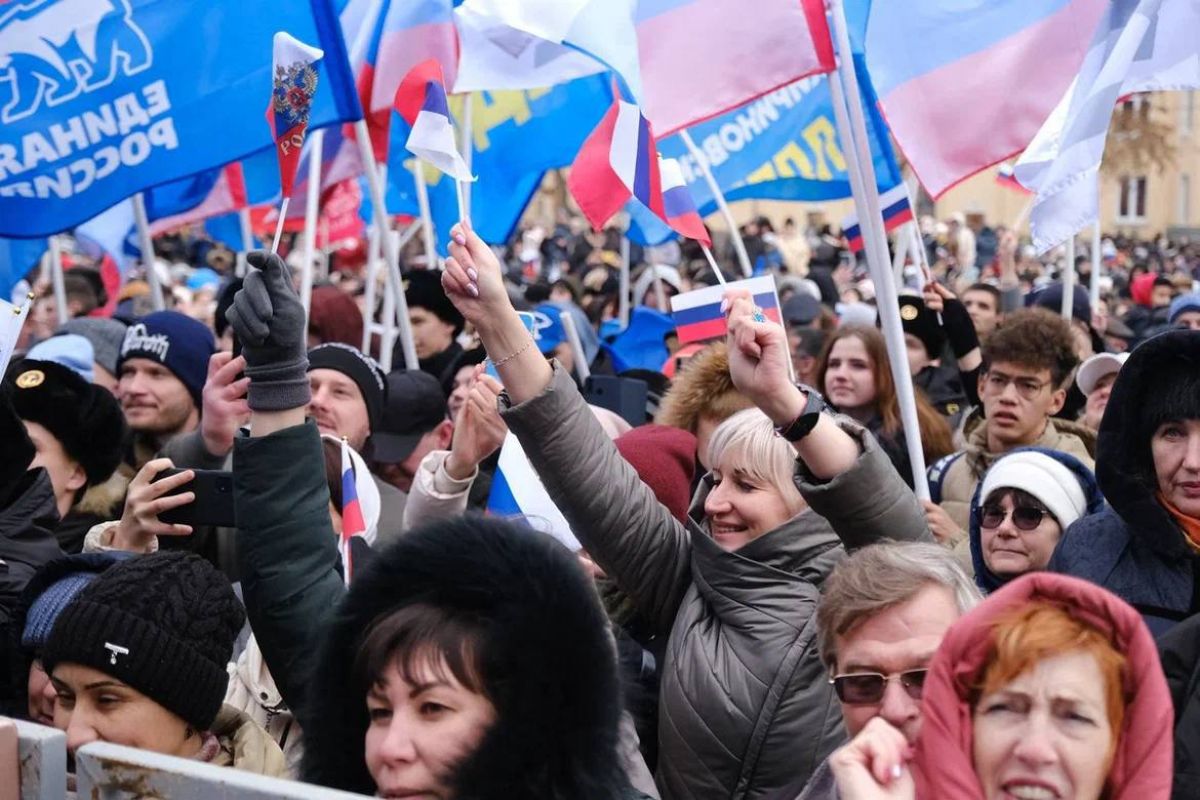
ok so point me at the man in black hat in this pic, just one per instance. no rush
(79, 433)
(415, 423)
(436, 325)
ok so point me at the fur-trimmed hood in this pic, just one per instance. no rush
(550, 663)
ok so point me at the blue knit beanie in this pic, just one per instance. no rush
(1185, 302)
(49, 604)
(178, 342)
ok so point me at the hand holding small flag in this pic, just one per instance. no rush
(421, 101)
(294, 85)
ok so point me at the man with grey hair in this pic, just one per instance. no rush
(883, 613)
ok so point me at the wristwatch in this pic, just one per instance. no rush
(802, 425)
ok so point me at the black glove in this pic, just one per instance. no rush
(268, 319)
(960, 330)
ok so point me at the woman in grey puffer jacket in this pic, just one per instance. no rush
(745, 705)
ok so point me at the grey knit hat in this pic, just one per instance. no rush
(106, 336)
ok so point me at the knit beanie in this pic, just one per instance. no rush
(106, 336)
(1043, 477)
(49, 605)
(665, 460)
(362, 369)
(1185, 302)
(164, 623)
(178, 342)
(85, 419)
(69, 349)
(423, 289)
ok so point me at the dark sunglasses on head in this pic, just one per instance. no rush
(866, 688)
(1025, 518)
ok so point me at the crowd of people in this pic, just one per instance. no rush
(761, 605)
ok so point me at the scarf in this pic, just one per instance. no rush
(1189, 525)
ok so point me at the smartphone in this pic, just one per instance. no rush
(214, 499)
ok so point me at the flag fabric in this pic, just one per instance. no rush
(616, 163)
(679, 209)
(421, 101)
(517, 491)
(700, 58)
(226, 193)
(17, 258)
(698, 316)
(1006, 177)
(413, 31)
(1140, 45)
(12, 319)
(963, 89)
(293, 87)
(352, 515)
(896, 208)
(146, 100)
(535, 43)
(112, 233)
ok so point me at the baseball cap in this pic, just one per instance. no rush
(415, 406)
(801, 309)
(1096, 367)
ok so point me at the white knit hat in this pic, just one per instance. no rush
(1047, 479)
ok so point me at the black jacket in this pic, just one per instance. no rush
(26, 535)
(1179, 650)
(1134, 548)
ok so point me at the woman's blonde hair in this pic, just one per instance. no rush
(746, 443)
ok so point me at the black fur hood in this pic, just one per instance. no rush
(552, 673)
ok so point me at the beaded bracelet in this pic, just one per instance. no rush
(506, 359)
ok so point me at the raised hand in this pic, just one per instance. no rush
(758, 359)
(147, 499)
(269, 321)
(478, 431)
(874, 765)
(935, 296)
(473, 279)
(224, 402)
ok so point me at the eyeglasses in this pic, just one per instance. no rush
(866, 688)
(1028, 388)
(1025, 518)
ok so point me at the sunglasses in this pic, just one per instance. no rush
(1025, 518)
(866, 688)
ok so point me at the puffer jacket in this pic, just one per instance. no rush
(26, 541)
(245, 745)
(985, 579)
(252, 691)
(1179, 649)
(745, 706)
(1141, 766)
(1134, 548)
(959, 474)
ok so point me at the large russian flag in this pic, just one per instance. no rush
(896, 208)
(228, 193)
(698, 316)
(700, 58)
(965, 88)
(681, 213)
(413, 31)
(618, 161)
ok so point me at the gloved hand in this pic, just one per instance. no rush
(268, 318)
(960, 330)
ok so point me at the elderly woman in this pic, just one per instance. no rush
(1144, 546)
(744, 708)
(1050, 688)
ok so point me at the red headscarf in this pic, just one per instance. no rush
(1142, 764)
(1141, 288)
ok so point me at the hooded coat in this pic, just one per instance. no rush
(1134, 547)
(1141, 767)
(985, 579)
(745, 705)
(556, 735)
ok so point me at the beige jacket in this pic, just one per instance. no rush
(245, 745)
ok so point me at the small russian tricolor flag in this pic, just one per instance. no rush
(518, 492)
(353, 523)
(680, 209)
(421, 101)
(618, 161)
(1006, 177)
(897, 210)
(698, 315)
(295, 82)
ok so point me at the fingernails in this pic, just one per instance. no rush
(896, 771)
(472, 274)
(472, 290)
(460, 239)
(725, 305)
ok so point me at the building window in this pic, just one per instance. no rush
(1185, 199)
(1133, 199)
(1137, 104)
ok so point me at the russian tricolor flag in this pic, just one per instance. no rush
(421, 100)
(1006, 177)
(680, 209)
(353, 523)
(698, 316)
(617, 162)
(295, 82)
(896, 211)
(517, 491)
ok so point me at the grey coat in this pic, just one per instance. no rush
(745, 706)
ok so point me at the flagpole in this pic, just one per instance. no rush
(247, 242)
(702, 162)
(1094, 282)
(712, 262)
(468, 152)
(1068, 281)
(387, 337)
(852, 129)
(279, 225)
(56, 278)
(623, 283)
(370, 281)
(312, 207)
(426, 216)
(903, 245)
(390, 249)
(581, 365)
(147, 245)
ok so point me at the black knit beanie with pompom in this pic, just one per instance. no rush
(164, 624)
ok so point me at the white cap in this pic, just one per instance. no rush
(1045, 478)
(1096, 367)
